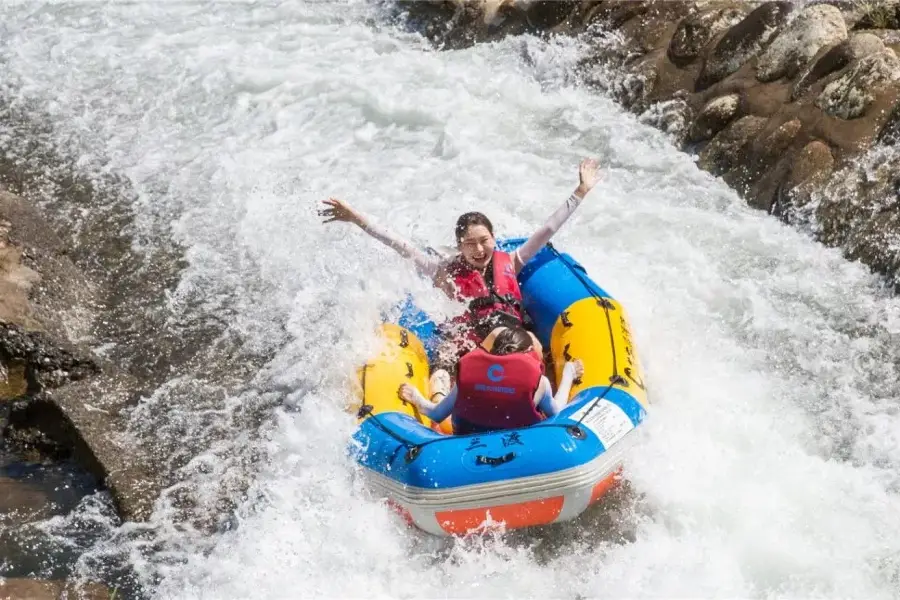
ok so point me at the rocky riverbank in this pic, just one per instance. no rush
(97, 368)
(795, 105)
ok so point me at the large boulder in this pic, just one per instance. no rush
(848, 96)
(832, 59)
(725, 151)
(742, 42)
(713, 117)
(813, 28)
(695, 31)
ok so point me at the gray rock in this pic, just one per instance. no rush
(723, 153)
(800, 40)
(743, 41)
(715, 115)
(849, 96)
(695, 31)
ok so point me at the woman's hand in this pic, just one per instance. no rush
(588, 175)
(578, 366)
(340, 211)
(407, 393)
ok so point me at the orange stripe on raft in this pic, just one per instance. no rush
(523, 514)
(398, 508)
(603, 486)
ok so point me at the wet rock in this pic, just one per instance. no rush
(714, 116)
(21, 502)
(613, 13)
(890, 131)
(35, 589)
(859, 206)
(543, 15)
(809, 171)
(12, 380)
(696, 30)
(672, 117)
(742, 42)
(800, 40)
(834, 58)
(88, 416)
(813, 165)
(68, 404)
(766, 161)
(726, 150)
(848, 96)
(40, 290)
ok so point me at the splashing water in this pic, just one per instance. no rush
(770, 465)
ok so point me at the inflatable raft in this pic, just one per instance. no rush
(548, 472)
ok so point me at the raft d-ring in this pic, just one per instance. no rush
(404, 338)
(413, 453)
(565, 319)
(605, 303)
(576, 432)
(409, 371)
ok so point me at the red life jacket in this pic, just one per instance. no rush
(496, 392)
(504, 295)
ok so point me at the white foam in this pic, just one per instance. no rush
(769, 466)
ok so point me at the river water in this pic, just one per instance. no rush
(770, 466)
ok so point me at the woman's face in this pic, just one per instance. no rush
(477, 246)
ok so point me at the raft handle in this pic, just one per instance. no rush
(494, 461)
(404, 338)
(565, 319)
(409, 370)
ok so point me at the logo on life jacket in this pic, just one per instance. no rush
(495, 373)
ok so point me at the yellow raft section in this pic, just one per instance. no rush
(596, 330)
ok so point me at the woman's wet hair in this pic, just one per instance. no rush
(467, 220)
(512, 340)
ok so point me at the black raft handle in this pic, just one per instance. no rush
(494, 461)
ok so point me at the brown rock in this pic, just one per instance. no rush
(695, 31)
(814, 27)
(714, 116)
(764, 163)
(813, 164)
(848, 96)
(810, 169)
(615, 12)
(13, 380)
(742, 42)
(16, 283)
(35, 589)
(724, 151)
(21, 502)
